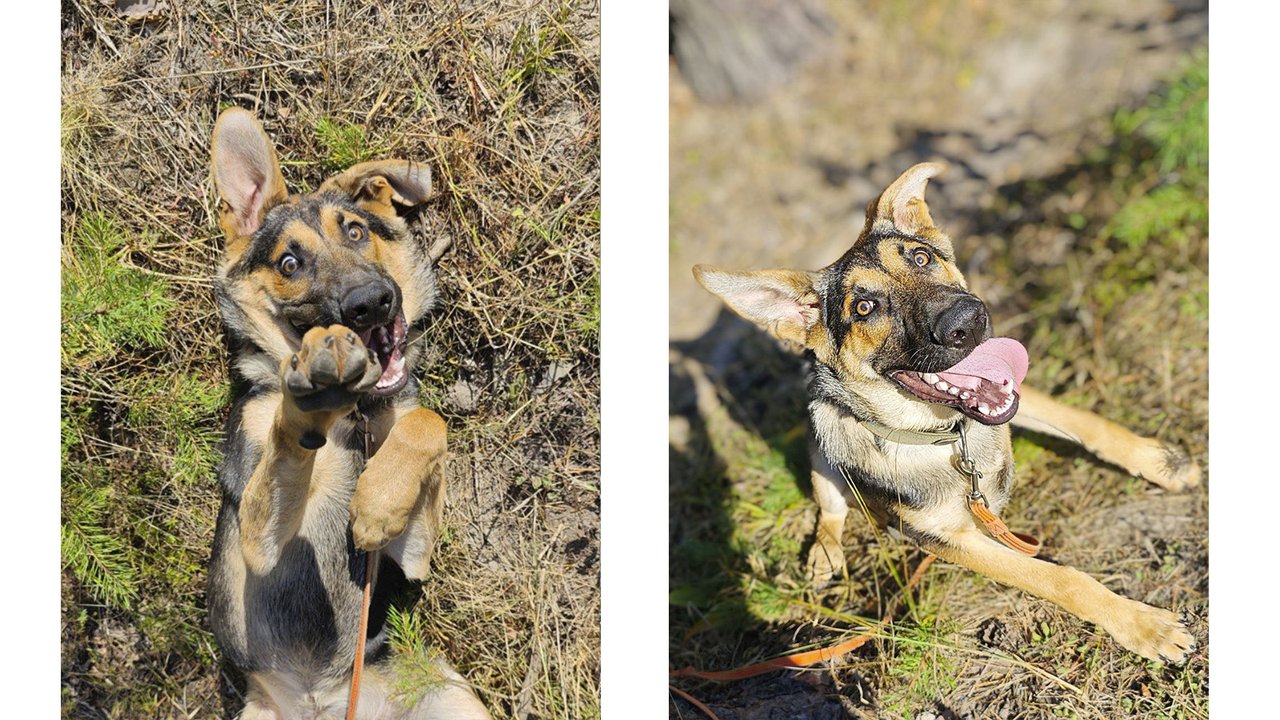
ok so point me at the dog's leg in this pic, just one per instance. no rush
(320, 383)
(1165, 465)
(1148, 631)
(257, 710)
(403, 481)
(826, 557)
(258, 704)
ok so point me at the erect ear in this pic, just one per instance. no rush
(902, 204)
(784, 302)
(246, 174)
(376, 184)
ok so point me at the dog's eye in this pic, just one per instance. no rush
(921, 257)
(288, 264)
(864, 307)
(355, 233)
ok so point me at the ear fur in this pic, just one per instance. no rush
(783, 302)
(902, 204)
(376, 184)
(246, 175)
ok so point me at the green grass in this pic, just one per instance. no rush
(108, 305)
(537, 50)
(139, 447)
(345, 144)
(415, 659)
(98, 558)
(920, 665)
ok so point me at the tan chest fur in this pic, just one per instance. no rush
(925, 486)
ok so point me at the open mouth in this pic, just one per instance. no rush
(388, 343)
(984, 386)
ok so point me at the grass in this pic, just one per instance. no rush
(1115, 320)
(502, 100)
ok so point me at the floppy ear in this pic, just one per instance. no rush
(902, 204)
(246, 174)
(376, 184)
(783, 302)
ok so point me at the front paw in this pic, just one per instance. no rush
(1153, 633)
(1167, 466)
(826, 559)
(381, 506)
(330, 371)
(373, 526)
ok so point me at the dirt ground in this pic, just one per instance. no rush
(1029, 108)
(501, 99)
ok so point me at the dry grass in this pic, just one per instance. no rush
(502, 100)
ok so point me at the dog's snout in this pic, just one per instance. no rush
(368, 305)
(963, 325)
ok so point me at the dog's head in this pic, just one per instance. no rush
(340, 255)
(892, 318)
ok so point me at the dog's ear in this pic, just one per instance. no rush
(902, 204)
(783, 302)
(246, 174)
(377, 184)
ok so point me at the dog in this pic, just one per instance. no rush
(909, 403)
(323, 297)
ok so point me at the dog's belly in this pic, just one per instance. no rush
(292, 697)
(300, 618)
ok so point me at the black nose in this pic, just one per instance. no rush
(368, 305)
(963, 325)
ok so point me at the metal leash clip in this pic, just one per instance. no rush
(969, 468)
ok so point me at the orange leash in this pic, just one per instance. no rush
(1023, 543)
(1020, 542)
(794, 660)
(357, 668)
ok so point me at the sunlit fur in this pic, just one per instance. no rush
(915, 490)
(305, 485)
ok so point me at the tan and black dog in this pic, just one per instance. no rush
(324, 297)
(907, 383)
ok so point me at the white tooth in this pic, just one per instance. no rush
(930, 378)
(941, 386)
(954, 391)
(984, 408)
(964, 395)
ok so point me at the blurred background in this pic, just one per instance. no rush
(1077, 199)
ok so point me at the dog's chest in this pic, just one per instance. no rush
(917, 476)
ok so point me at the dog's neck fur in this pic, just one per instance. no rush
(890, 473)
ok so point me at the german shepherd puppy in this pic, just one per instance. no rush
(901, 353)
(324, 297)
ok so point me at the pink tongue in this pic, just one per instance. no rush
(995, 361)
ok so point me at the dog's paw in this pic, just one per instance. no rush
(1153, 633)
(825, 561)
(1165, 465)
(330, 370)
(373, 525)
(382, 503)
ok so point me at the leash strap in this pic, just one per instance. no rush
(1023, 543)
(978, 505)
(371, 560)
(800, 659)
(795, 660)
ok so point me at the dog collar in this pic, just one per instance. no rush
(912, 437)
